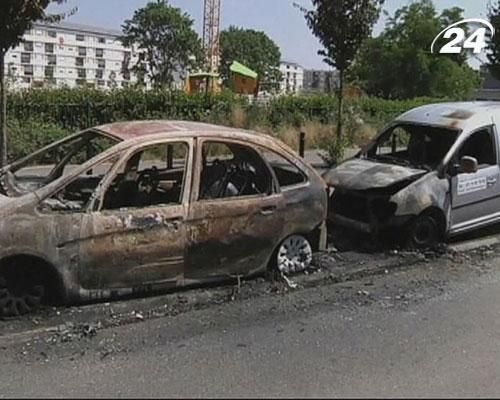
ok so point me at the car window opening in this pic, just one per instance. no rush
(232, 170)
(412, 145)
(150, 177)
(480, 145)
(286, 172)
(53, 162)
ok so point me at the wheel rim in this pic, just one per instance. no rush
(425, 233)
(20, 293)
(294, 255)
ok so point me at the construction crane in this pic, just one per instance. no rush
(211, 32)
(208, 80)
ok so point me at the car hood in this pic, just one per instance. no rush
(359, 174)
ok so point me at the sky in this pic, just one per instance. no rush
(278, 18)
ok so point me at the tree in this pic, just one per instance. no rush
(16, 17)
(254, 49)
(166, 40)
(494, 44)
(403, 49)
(341, 27)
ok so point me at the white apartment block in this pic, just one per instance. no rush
(71, 55)
(292, 80)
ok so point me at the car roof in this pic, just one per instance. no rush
(132, 130)
(137, 132)
(454, 115)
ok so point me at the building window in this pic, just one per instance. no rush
(99, 74)
(80, 38)
(99, 53)
(82, 51)
(82, 73)
(52, 34)
(28, 46)
(25, 58)
(28, 70)
(26, 79)
(49, 48)
(101, 83)
(81, 82)
(49, 72)
(101, 64)
(52, 59)
(79, 61)
(101, 40)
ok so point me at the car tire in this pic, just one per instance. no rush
(294, 255)
(21, 291)
(424, 232)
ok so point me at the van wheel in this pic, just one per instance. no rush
(294, 254)
(21, 291)
(423, 232)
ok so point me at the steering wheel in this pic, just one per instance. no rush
(148, 180)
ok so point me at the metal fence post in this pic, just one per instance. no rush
(302, 144)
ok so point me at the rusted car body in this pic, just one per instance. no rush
(142, 206)
(432, 173)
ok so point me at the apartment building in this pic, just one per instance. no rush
(320, 81)
(68, 54)
(292, 80)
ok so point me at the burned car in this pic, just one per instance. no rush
(431, 174)
(136, 207)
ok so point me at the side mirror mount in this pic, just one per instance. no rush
(468, 165)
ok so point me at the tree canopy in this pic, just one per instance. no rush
(398, 63)
(341, 27)
(166, 40)
(254, 49)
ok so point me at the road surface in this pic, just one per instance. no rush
(430, 329)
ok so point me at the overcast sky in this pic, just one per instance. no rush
(278, 18)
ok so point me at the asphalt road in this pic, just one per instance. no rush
(431, 329)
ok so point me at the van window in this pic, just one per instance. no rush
(480, 145)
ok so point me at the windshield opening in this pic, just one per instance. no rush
(413, 145)
(45, 166)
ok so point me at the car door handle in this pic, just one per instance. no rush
(268, 210)
(491, 181)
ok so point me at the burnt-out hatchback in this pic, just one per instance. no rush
(432, 173)
(136, 207)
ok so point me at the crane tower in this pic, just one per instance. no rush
(211, 31)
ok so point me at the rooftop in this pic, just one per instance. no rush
(71, 26)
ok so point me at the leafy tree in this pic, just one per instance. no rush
(16, 17)
(398, 63)
(494, 44)
(341, 27)
(166, 40)
(254, 49)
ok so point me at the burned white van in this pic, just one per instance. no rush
(432, 173)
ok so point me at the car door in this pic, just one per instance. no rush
(137, 240)
(233, 227)
(475, 196)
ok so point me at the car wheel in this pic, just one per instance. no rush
(294, 254)
(424, 232)
(21, 291)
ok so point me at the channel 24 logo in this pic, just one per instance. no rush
(458, 39)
